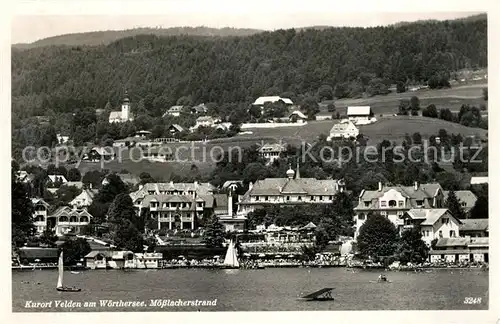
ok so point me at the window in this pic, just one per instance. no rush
(445, 221)
(452, 233)
(383, 203)
(392, 203)
(299, 198)
(383, 213)
(256, 198)
(312, 198)
(420, 203)
(401, 203)
(266, 198)
(330, 197)
(464, 204)
(320, 198)
(361, 216)
(367, 204)
(287, 198)
(440, 234)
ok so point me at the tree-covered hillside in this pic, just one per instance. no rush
(109, 36)
(240, 69)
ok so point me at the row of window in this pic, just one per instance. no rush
(172, 192)
(175, 205)
(299, 198)
(428, 233)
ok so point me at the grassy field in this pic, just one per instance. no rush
(390, 128)
(204, 155)
(452, 99)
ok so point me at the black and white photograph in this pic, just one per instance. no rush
(249, 160)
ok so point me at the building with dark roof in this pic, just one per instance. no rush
(175, 205)
(474, 227)
(289, 191)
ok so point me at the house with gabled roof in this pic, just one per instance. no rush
(297, 116)
(466, 198)
(434, 223)
(175, 129)
(343, 129)
(200, 109)
(272, 151)
(478, 227)
(174, 111)
(40, 212)
(289, 191)
(66, 219)
(393, 201)
(84, 199)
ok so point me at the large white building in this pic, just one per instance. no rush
(123, 115)
(271, 99)
(421, 204)
(344, 129)
(359, 113)
(175, 205)
(289, 191)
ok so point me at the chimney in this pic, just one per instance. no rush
(250, 186)
(379, 186)
(90, 186)
(230, 205)
(141, 186)
(416, 186)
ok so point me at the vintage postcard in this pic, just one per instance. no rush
(241, 160)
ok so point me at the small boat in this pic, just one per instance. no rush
(324, 294)
(60, 286)
(75, 272)
(380, 281)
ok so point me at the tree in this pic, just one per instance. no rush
(124, 224)
(377, 237)
(480, 209)
(74, 174)
(417, 138)
(445, 114)
(430, 111)
(411, 248)
(114, 187)
(414, 103)
(22, 213)
(48, 237)
(325, 92)
(75, 250)
(326, 231)
(404, 107)
(331, 107)
(214, 233)
(454, 206)
(400, 87)
(146, 178)
(310, 106)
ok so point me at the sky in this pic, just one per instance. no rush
(36, 21)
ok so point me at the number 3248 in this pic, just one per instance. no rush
(472, 300)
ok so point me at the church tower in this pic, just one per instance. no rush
(126, 108)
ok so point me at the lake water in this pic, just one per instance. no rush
(255, 290)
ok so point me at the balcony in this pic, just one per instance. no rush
(72, 223)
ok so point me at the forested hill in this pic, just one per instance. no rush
(240, 69)
(109, 36)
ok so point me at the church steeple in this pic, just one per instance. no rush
(290, 173)
(297, 174)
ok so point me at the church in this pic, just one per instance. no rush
(124, 115)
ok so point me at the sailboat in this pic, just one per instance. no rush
(231, 259)
(60, 286)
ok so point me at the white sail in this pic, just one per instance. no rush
(61, 270)
(231, 258)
